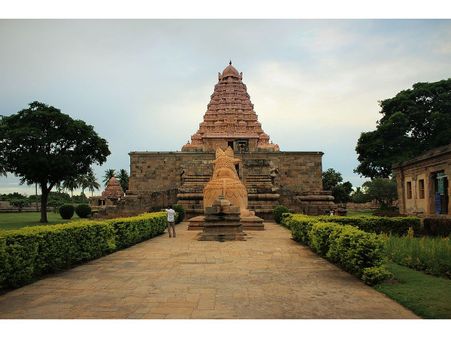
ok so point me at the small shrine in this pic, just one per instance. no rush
(112, 194)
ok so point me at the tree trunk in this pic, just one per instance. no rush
(36, 195)
(44, 198)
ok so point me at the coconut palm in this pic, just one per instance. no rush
(108, 174)
(71, 185)
(90, 182)
(123, 179)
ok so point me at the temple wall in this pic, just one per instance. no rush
(264, 173)
(159, 171)
(298, 171)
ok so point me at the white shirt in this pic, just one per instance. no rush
(171, 214)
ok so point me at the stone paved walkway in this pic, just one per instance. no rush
(267, 276)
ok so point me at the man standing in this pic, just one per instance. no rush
(171, 221)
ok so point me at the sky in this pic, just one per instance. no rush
(145, 84)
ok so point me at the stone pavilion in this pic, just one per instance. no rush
(271, 176)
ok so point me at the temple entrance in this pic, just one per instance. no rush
(440, 192)
(242, 146)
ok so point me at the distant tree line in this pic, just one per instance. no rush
(381, 190)
(55, 199)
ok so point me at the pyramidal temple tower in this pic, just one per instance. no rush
(271, 176)
(230, 119)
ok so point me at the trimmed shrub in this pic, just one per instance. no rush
(437, 226)
(132, 230)
(354, 249)
(66, 211)
(390, 212)
(349, 247)
(33, 251)
(299, 226)
(180, 213)
(319, 235)
(375, 275)
(83, 210)
(285, 215)
(278, 212)
(387, 225)
(30, 252)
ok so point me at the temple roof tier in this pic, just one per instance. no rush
(230, 115)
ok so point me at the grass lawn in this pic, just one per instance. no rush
(425, 295)
(360, 213)
(17, 220)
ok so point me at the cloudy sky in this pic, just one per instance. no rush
(145, 84)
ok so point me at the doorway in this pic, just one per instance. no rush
(440, 192)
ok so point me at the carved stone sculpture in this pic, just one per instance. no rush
(225, 182)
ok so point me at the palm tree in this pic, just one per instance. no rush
(82, 182)
(71, 185)
(123, 179)
(90, 182)
(108, 174)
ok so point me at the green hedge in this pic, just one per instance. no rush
(299, 226)
(434, 226)
(356, 251)
(278, 213)
(131, 230)
(30, 252)
(387, 225)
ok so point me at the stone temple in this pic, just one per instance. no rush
(271, 176)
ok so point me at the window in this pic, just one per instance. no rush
(421, 189)
(409, 190)
(242, 146)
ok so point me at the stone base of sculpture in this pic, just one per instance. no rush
(222, 222)
(250, 223)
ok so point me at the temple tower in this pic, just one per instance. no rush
(230, 120)
(270, 176)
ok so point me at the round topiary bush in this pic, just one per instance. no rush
(278, 211)
(180, 212)
(83, 210)
(66, 211)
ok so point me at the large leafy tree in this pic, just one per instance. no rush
(383, 190)
(413, 121)
(44, 146)
(333, 181)
(360, 195)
